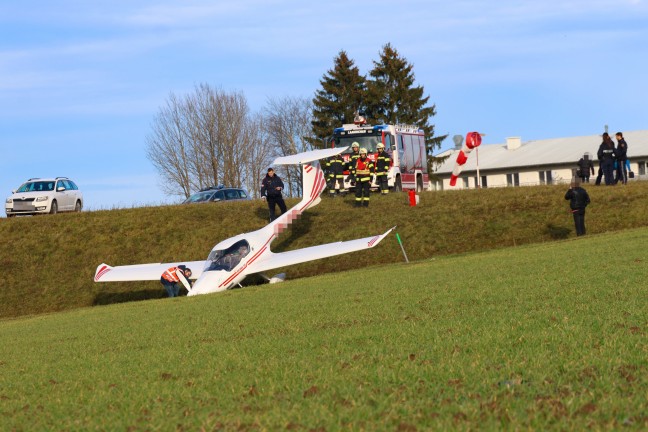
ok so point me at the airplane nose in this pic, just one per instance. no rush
(209, 282)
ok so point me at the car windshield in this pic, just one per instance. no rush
(199, 197)
(228, 258)
(37, 186)
(366, 141)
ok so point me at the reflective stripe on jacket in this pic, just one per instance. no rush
(335, 167)
(363, 169)
(382, 163)
(352, 161)
(170, 275)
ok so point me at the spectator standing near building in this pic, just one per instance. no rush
(585, 166)
(382, 168)
(173, 276)
(578, 200)
(335, 175)
(363, 170)
(271, 190)
(606, 155)
(622, 158)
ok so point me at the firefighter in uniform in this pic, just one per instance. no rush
(363, 170)
(382, 167)
(353, 157)
(170, 279)
(335, 174)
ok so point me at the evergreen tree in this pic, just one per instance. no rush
(393, 98)
(341, 95)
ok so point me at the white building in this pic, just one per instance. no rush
(550, 161)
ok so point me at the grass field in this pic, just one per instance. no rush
(49, 262)
(550, 336)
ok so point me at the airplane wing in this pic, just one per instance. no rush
(283, 259)
(142, 272)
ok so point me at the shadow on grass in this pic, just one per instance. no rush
(263, 213)
(108, 298)
(298, 229)
(558, 232)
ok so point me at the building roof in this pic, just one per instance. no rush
(541, 152)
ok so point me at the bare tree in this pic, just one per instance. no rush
(259, 156)
(169, 149)
(288, 125)
(204, 139)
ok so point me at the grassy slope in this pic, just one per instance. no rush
(539, 337)
(49, 261)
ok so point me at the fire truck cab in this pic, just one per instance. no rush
(405, 145)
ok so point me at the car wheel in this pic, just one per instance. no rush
(398, 186)
(54, 208)
(77, 207)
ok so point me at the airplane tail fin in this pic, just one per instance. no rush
(313, 184)
(313, 177)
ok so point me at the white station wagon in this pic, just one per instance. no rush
(44, 195)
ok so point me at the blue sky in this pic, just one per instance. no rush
(81, 82)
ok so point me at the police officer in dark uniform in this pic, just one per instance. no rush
(271, 188)
(622, 157)
(607, 156)
(382, 167)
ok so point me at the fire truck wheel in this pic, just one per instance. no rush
(419, 184)
(398, 186)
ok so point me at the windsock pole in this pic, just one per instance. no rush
(402, 248)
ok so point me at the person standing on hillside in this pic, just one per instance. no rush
(578, 200)
(585, 166)
(622, 158)
(353, 157)
(363, 169)
(382, 168)
(606, 155)
(271, 187)
(335, 175)
(173, 276)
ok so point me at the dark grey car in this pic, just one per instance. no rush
(217, 194)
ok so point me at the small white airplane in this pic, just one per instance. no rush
(231, 260)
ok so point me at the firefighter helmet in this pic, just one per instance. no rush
(380, 146)
(363, 151)
(355, 145)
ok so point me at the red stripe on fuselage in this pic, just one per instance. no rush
(254, 257)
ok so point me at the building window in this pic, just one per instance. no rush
(545, 177)
(465, 182)
(642, 167)
(483, 184)
(513, 179)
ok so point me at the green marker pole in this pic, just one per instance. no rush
(402, 248)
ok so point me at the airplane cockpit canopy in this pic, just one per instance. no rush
(227, 259)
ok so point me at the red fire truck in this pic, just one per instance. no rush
(405, 145)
